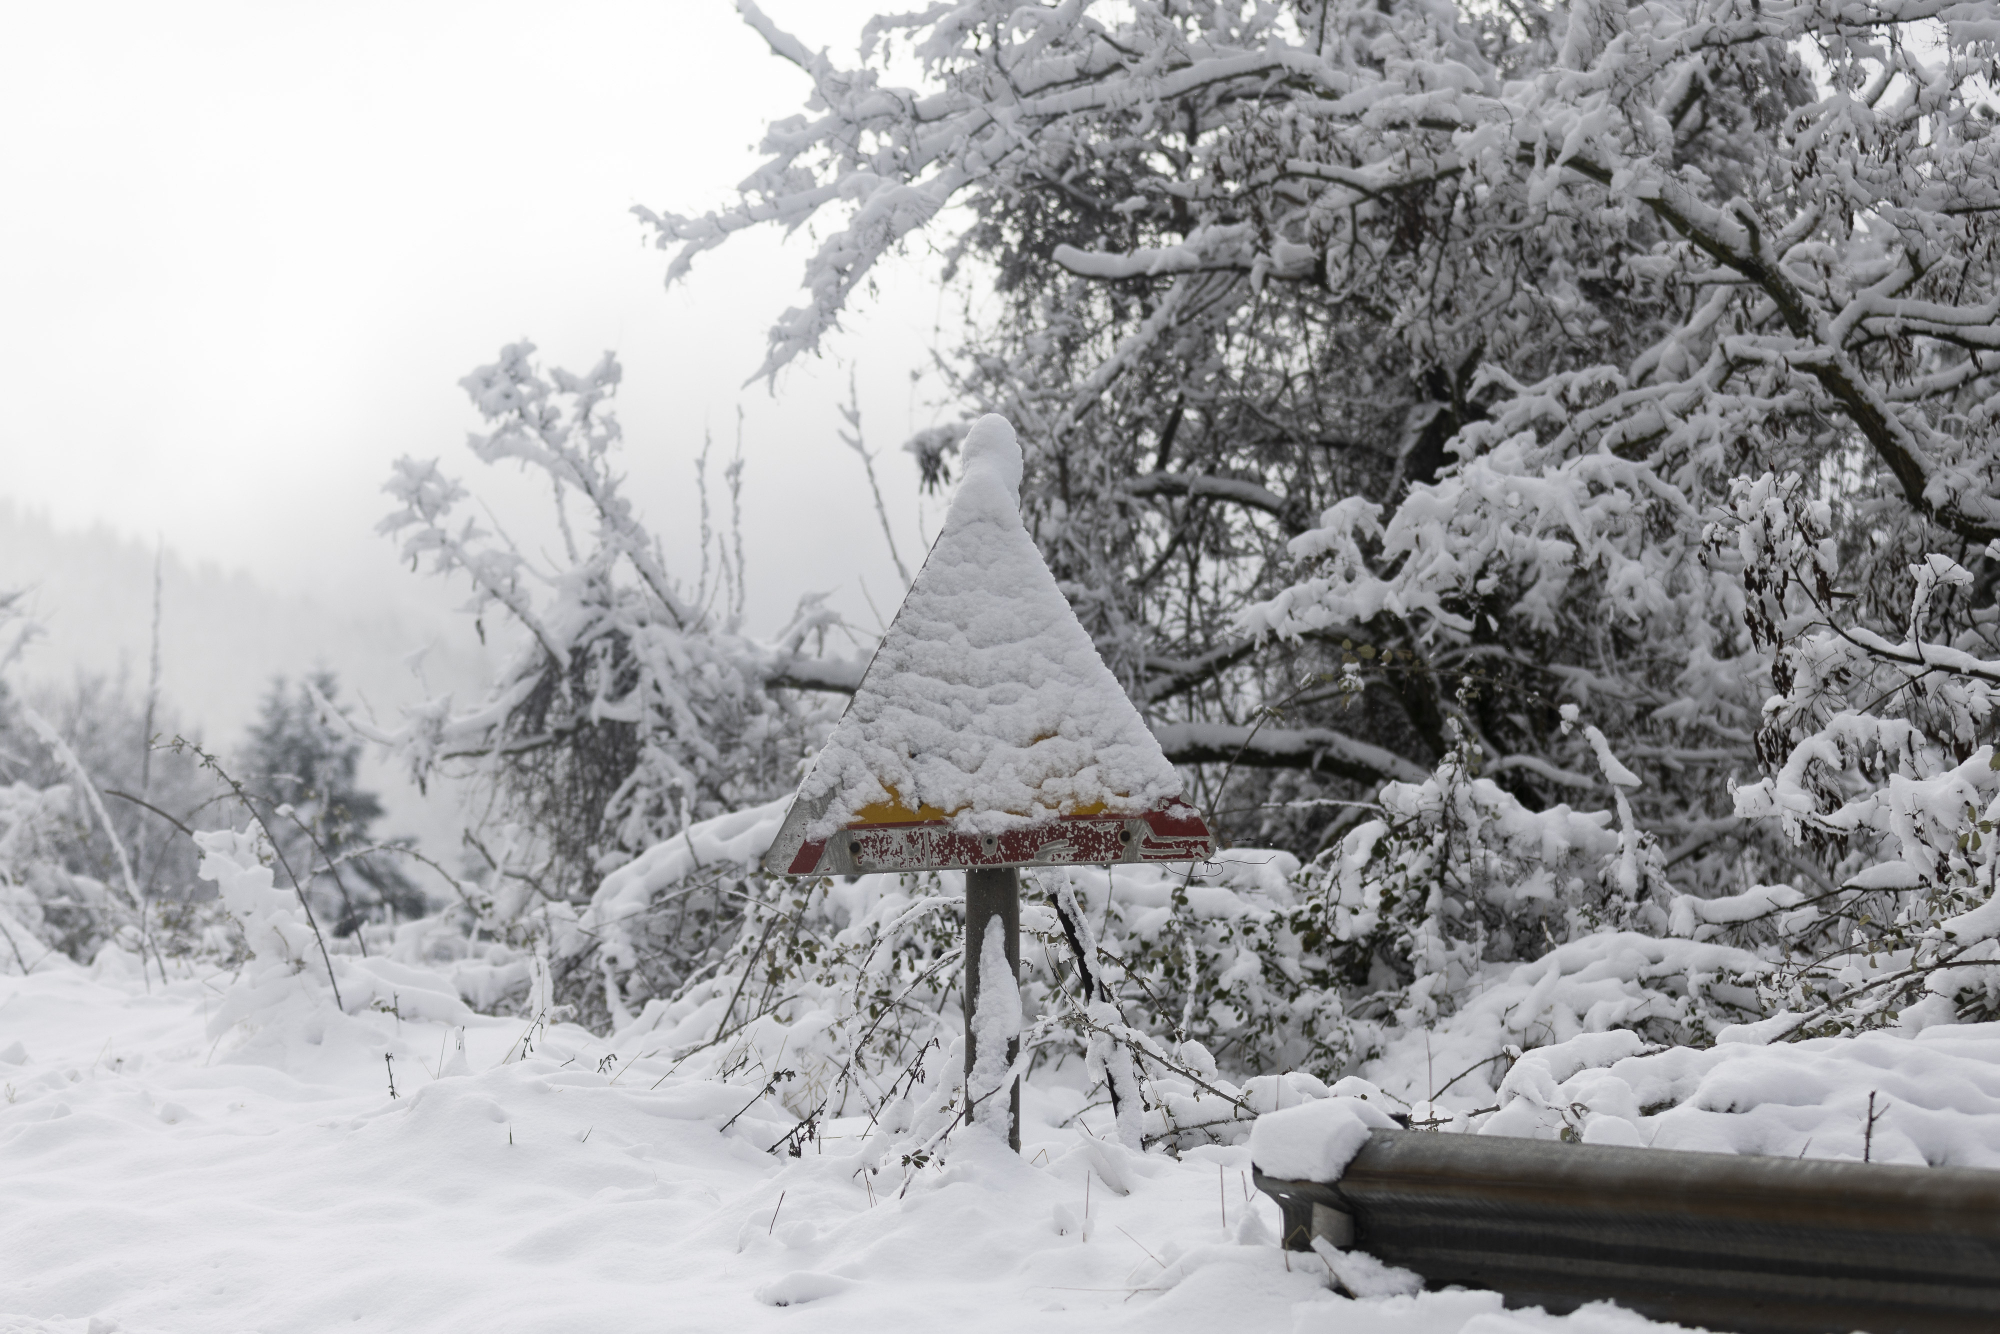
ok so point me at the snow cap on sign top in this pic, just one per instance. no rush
(987, 703)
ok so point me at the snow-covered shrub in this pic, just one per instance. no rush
(1920, 1101)
(67, 878)
(299, 772)
(283, 942)
(43, 905)
(289, 978)
(633, 704)
(1881, 761)
(105, 724)
(1455, 918)
(1405, 930)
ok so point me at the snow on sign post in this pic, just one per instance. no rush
(987, 735)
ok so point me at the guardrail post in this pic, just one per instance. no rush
(992, 892)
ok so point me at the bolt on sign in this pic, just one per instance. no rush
(986, 731)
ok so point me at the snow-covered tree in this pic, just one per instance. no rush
(300, 774)
(1406, 351)
(1582, 404)
(634, 703)
(92, 813)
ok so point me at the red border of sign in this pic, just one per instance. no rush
(1173, 833)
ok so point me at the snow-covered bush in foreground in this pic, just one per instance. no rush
(51, 816)
(1880, 761)
(291, 976)
(634, 703)
(36, 893)
(1925, 1099)
(1254, 984)
(1422, 955)
(831, 1018)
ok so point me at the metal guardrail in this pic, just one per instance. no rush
(1734, 1243)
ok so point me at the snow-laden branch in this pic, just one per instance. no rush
(635, 702)
(1197, 486)
(834, 676)
(1319, 749)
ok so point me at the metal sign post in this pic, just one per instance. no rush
(990, 894)
(1175, 833)
(987, 735)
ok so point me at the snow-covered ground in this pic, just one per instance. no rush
(156, 1178)
(222, 1150)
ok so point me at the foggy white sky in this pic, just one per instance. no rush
(250, 247)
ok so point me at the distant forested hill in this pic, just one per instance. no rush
(224, 636)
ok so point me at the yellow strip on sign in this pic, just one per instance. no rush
(893, 811)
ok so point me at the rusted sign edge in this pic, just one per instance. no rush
(1173, 833)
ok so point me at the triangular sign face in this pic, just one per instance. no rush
(986, 730)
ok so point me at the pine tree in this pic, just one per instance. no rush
(302, 775)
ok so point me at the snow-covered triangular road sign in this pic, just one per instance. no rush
(986, 730)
